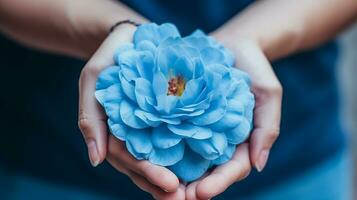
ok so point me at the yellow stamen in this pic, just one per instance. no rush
(176, 86)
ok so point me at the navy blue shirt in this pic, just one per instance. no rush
(39, 108)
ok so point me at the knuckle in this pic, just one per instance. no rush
(84, 124)
(269, 89)
(274, 134)
(93, 68)
(246, 172)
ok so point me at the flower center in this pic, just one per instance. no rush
(176, 86)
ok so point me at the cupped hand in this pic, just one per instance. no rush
(158, 181)
(255, 152)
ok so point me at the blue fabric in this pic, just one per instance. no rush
(39, 122)
(330, 180)
(318, 183)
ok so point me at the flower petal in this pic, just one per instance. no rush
(100, 96)
(183, 67)
(167, 30)
(107, 77)
(118, 130)
(191, 167)
(192, 89)
(122, 48)
(128, 87)
(155, 33)
(160, 84)
(153, 120)
(240, 133)
(169, 156)
(144, 94)
(233, 116)
(138, 143)
(227, 155)
(127, 110)
(214, 113)
(190, 131)
(145, 66)
(146, 45)
(211, 55)
(165, 103)
(163, 138)
(210, 148)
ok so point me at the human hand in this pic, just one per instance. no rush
(268, 97)
(159, 181)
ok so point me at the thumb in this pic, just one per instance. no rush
(92, 120)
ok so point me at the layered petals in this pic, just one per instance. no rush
(176, 101)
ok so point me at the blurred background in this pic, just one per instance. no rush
(348, 84)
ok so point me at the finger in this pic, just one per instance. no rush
(155, 191)
(92, 120)
(91, 116)
(268, 95)
(157, 175)
(191, 189)
(225, 175)
(266, 129)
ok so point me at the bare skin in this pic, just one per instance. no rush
(265, 31)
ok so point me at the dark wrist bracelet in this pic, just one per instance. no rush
(127, 21)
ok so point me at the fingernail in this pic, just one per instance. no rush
(93, 152)
(262, 160)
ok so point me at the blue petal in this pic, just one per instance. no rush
(118, 130)
(167, 30)
(147, 32)
(112, 109)
(212, 114)
(227, 155)
(138, 143)
(197, 42)
(155, 33)
(232, 118)
(211, 55)
(240, 133)
(190, 131)
(129, 74)
(163, 138)
(183, 67)
(210, 148)
(114, 93)
(192, 89)
(100, 96)
(123, 48)
(169, 156)
(147, 118)
(160, 84)
(166, 59)
(107, 77)
(146, 45)
(128, 59)
(128, 87)
(229, 59)
(144, 94)
(165, 103)
(153, 120)
(191, 167)
(145, 66)
(240, 75)
(198, 33)
(199, 68)
(127, 110)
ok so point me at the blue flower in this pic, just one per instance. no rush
(176, 101)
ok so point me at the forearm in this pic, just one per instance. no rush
(283, 27)
(70, 27)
